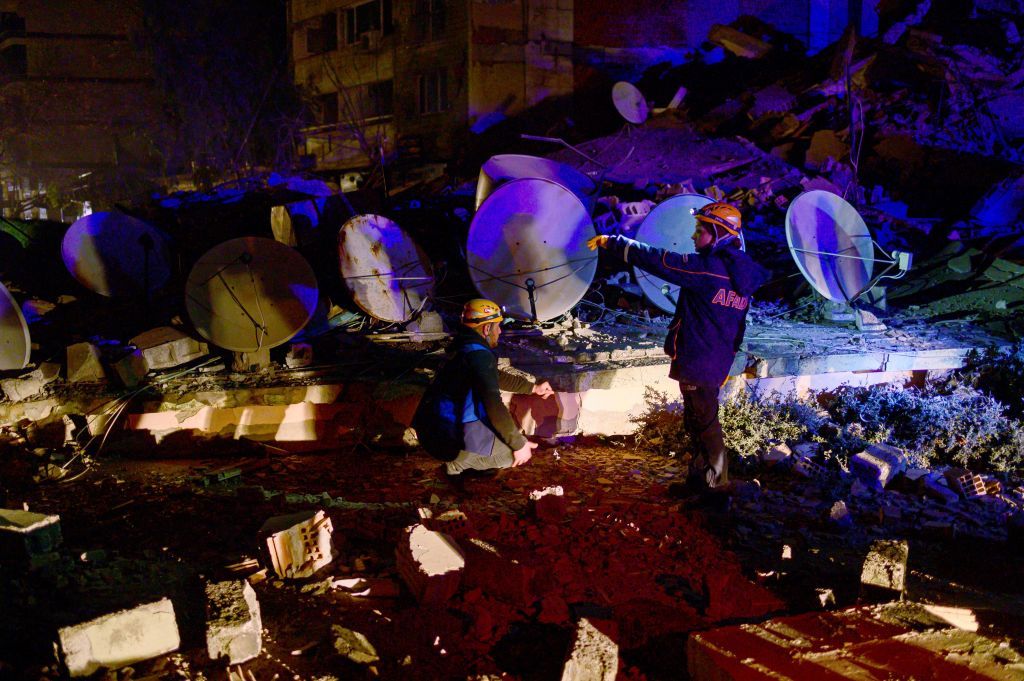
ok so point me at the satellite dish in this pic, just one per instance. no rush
(388, 275)
(669, 225)
(15, 343)
(830, 244)
(116, 255)
(629, 102)
(250, 293)
(500, 169)
(527, 249)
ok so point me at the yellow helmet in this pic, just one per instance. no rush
(480, 311)
(721, 215)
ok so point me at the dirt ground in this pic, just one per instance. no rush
(624, 555)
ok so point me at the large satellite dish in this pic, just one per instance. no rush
(117, 255)
(250, 293)
(15, 343)
(830, 244)
(669, 225)
(500, 169)
(629, 102)
(527, 249)
(386, 272)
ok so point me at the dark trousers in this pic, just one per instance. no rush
(709, 465)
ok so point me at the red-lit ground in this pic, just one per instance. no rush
(624, 555)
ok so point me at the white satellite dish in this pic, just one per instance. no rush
(250, 293)
(833, 248)
(527, 249)
(15, 343)
(500, 169)
(117, 255)
(386, 272)
(630, 102)
(670, 225)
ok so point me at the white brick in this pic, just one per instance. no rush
(165, 347)
(233, 626)
(119, 639)
(594, 656)
(430, 563)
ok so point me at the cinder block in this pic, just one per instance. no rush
(299, 544)
(885, 568)
(549, 504)
(808, 468)
(165, 348)
(594, 655)
(233, 626)
(430, 563)
(119, 639)
(25, 536)
(84, 364)
(877, 465)
(968, 484)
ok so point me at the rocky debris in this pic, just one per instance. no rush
(549, 504)
(166, 347)
(85, 364)
(233, 624)
(119, 639)
(353, 645)
(430, 563)
(594, 655)
(30, 384)
(26, 538)
(877, 465)
(298, 545)
(885, 569)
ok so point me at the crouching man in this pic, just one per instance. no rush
(461, 419)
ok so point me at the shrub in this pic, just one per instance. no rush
(950, 423)
(749, 425)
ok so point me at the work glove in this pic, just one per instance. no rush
(599, 241)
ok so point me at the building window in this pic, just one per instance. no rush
(429, 20)
(327, 109)
(322, 34)
(368, 17)
(13, 61)
(433, 91)
(380, 99)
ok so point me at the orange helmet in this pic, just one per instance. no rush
(480, 311)
(721, 215)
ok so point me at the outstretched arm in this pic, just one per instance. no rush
(690, 271)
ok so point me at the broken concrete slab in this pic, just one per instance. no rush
(892, 641)
(166, 347)
(884, 572)
(430, 563)
(32, 383)
(119, 639)
(234, 630)
(84, 364)
(298, 544)
(737, 42)
(594, 655)
(877, 465)
(26, 536)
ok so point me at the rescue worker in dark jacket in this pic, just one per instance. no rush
(462, 419)
(706, 331)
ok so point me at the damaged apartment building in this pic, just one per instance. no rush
(460, 68)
